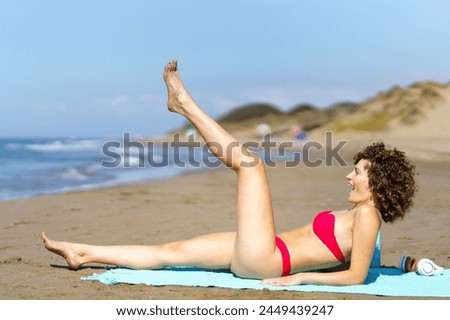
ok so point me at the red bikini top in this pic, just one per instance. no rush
(323, 227)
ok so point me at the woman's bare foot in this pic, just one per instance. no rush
(178, 97)
(70, 251)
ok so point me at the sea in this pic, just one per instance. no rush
(38, 166)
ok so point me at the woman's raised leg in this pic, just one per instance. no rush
(255, 253)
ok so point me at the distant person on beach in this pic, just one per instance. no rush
(382, 189)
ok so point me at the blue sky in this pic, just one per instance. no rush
(94, 68)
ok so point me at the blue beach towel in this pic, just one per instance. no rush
(380, 281)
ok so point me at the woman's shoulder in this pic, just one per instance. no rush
(367, 213)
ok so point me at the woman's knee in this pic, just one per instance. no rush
(251, 162)
(174, 252)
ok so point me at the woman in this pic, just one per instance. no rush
(382, 189)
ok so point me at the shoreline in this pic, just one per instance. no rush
(180, 207)
(427, 148)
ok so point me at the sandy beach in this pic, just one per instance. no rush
(185, 206)
(189, 205)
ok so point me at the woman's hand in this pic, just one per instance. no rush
(291, 280)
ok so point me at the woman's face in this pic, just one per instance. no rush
(358, 179)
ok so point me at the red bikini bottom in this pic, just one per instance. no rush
(285, 256)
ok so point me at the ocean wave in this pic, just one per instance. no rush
(59, 146)
(73, 175)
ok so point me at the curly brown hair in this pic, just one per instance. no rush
(391, 180)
